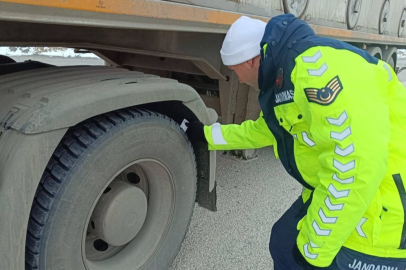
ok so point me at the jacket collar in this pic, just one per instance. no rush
(281, 33)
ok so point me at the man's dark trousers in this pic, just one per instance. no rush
(287, 257)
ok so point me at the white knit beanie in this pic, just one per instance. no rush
(242, 41)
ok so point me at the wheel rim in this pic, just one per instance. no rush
(150, 182)
(296, 7)
(383, 20)
(353, 11)
(402, 24)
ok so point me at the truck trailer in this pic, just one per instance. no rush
(96, 170)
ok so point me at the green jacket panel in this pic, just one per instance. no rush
(349, 140)
(348, 122)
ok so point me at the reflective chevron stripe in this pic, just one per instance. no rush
(338, 121)
(318, 72)
(338, 194)
(313, 245)
(359, 227)
(343, 181)
(318, 231)
(344, 152)
(341, 135)
(312, 59)
(307, 140)
(333, 207)
(343, 167)
(307, 252)
(389, 72)
(326, 219)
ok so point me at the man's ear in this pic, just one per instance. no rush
(250, 62)
(257, 61)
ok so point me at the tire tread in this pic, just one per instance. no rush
(71, 148)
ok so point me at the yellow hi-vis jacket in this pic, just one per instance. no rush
(348, 123)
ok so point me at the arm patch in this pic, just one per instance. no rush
(325, 95)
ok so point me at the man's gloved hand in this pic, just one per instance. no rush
(195, 132)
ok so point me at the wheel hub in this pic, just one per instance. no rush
(119, 214)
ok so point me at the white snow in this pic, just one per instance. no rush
(47, 51)
(70, 53)
(401, 53)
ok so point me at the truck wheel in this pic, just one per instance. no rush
(390, 56)
(375, 51)
(118, 194)
(391, 63)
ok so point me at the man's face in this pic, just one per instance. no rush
(247, 72)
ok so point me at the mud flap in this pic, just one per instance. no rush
(206, 195)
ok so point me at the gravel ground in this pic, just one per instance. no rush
(251, 197)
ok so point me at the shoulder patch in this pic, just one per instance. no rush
(326, 95)
(279, 78)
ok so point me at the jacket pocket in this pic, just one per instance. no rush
(288, 115)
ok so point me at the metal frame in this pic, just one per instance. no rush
(160, 61)
(200, 49)
(153, 15)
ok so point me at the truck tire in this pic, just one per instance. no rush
(118, 193)
(375, 51)
(390, 56)
(391, 63)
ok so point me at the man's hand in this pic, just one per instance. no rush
(195, 131)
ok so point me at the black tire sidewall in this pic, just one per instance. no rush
(391, 63)
(151, 137)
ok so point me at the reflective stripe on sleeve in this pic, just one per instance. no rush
(217, 135)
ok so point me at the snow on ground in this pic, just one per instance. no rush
(44, 51)
(401, 53)
(67, 52)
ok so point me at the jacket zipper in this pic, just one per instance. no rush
(402, 193)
